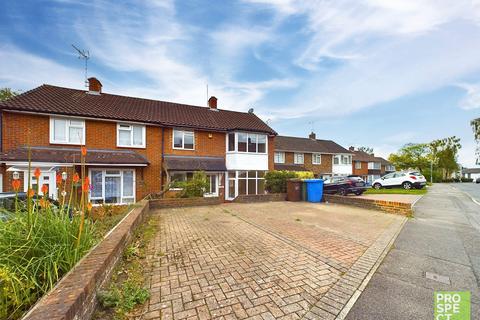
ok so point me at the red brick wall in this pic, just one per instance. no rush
(207, 143)
(324, 167)
(361, 172)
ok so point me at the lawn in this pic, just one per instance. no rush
(396, 191)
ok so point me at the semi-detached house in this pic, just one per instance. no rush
(368, 166)
(132, 143)
(324, 158)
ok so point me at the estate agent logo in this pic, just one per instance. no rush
(452, 305)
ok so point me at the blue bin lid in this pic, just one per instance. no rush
(312, 180)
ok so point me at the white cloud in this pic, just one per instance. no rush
(472, 96)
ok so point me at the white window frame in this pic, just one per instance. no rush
(248, 135)
(183, 139)
(315, 157)
(374, 166)
(358, 165)
(246, 178)
(68, 124)
(121, 185)
(296, 156)
(130, 128)
(279, 157)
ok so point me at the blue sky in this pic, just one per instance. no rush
(365, 73)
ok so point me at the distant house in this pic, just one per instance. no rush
(135, 146)
(471, 173)
(324, 158)
(368, 166)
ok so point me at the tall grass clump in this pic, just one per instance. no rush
(40, 242)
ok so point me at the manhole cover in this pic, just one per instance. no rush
(437, 277)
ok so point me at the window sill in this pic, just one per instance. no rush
(246, 152)
(68, 143)
(132, 147)
(174, 148)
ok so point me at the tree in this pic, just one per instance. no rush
(366, 150)
(7, 93)
(443, 153)
(476, 134)
(411, 155)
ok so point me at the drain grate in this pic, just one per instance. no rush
(437, 277)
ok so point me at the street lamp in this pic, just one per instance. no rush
(64, 175)
(16, 175)
(431, 171)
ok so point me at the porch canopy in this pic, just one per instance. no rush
(64, 156)
(193, 163)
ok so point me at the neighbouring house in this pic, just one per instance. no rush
(135, 146)
(471, 173)
(324, 158)
(368, 166)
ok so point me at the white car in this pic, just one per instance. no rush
(405, 179)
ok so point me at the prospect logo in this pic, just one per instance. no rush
(452, 305)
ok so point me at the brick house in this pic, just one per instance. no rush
(324, 158)
(135, 146)
(368, 166)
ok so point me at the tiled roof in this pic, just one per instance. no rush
(64, 101)
(193, 163)
(284, 143)
(383, 161)
(471, 170)
(72, 155)
(363, 156)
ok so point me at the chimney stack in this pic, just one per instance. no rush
(212, 103)
(351, 148)
(94, 86)
(312, 135)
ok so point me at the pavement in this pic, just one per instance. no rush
(277, 260)
(444, 239)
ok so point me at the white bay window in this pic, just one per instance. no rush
(131, 135)
(247, 142)
(112, 186)
(67, 131)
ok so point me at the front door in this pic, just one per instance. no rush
(212, 190)
(46, 178)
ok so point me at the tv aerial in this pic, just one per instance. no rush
(85, 55)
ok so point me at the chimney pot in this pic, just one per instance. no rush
(94, 85)
(351, 148)
(312, 135)
(212, 102)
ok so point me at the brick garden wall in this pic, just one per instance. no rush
(184, 202)
(260, 197)
(74, 297)
(400, 208)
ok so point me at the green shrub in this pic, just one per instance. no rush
(194, 187)
(276, 181)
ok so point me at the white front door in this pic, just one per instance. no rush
(46, 178)
(212, 190)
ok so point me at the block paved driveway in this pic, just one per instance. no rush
(276, 260)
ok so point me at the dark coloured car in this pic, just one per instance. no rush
(344, 186)
(478, 180)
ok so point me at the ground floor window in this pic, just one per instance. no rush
(112, 186)
(245, 182)
(181, 176)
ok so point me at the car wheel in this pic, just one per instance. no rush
(359, 193)
(377, 186)
(342, 191)
(407, 185)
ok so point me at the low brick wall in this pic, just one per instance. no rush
(74, 297)
(183, 202)
(260, 197)
(400, 208)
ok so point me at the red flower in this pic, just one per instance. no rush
(45, 189)
(84, 151)
(37, 173)
(30, 193)
(59, 179)
(89, 206)
(16, 184)
(86, 184)
(76, 178)
(44, 203)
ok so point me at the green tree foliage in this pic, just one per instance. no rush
(443, 153)
(366, 150)
(194, 187)
(7, 93)
(412, 155)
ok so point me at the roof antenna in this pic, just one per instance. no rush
(312, 124)
(84, 54)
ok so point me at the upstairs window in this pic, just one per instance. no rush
(298, 158)
(247, 142)
(279, 157)
(358, 165)
(67, 131)
(183, 139)
(130, 136)
(316, 158)
(374, 165)
(346, 159)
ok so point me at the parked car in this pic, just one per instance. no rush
(477, 180)
(344, 185)
(405, 179)
(7, 202)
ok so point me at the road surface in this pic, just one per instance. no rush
(443, 239)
